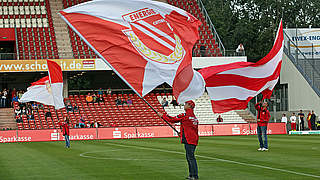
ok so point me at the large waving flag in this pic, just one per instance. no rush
(48, 90)
(145, 42)
(232, 86)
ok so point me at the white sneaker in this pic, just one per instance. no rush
(265, 149)
(260, 149)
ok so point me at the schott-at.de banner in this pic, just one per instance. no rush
(133, 132)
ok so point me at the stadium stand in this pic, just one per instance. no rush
(36, 35)
(80, 49)
(32, 21)
(108, 114)
(206, 46)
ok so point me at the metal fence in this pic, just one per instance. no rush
(215, 34)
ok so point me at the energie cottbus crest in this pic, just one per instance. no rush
(149, 29)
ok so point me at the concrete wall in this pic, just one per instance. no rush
(300, 93)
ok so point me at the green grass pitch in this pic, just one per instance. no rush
(225, 157)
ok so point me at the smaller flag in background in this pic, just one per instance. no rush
(232, 86)
(48, 90)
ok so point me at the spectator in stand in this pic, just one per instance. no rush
(313, 120)
(75, 108)
(24, 111)
(34, 106)
(47, 114)
(92, 124)
(164, 102)
(109, 91)
(189, 135)
(124, 102)
(89, 98)
(118, 101)
(100, 99)
(81, 122)
(4, 98)
(309, 121)
(100, 92)
(29, 106)
(94, 98)
(14, 99)
(263, 117)
(69, 107)
(240, 49)
(301, 118)
(13, 92)
(219, 118)
(65, 131)
(41, 106)
(87, 124)
(17, 111)
(129, 102)
(30, 116)
(293, 120)
(18, 119)
(97, 124)
(174, 102)
(20, 93)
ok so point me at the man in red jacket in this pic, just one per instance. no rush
(65, 130)
(263, 117)
(188, 134)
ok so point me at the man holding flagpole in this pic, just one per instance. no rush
(64, 125)
(49, 91)
(188, 134)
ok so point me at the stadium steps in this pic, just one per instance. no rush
(246, 115)
(7, 118)
(203, 111)
(61, 30)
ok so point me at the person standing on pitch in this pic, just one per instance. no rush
(65, 131)
(293, 120)
(188, 134)
(263, 117)
(301, 117)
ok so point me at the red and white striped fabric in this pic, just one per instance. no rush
(48, 90)
(145, 42)
(232, 86)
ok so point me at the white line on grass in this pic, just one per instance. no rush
(219, 159)
(87, 155)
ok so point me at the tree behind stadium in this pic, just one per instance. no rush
(252, 22)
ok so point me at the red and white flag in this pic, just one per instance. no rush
(145, 42)
(232, 86)
(48, 90)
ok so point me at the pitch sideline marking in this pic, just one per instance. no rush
(219, 159)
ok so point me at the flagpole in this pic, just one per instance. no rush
(114, 70)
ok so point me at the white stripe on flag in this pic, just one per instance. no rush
(157, 31)
(262, 71)
(153, 36)
(237, 92)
